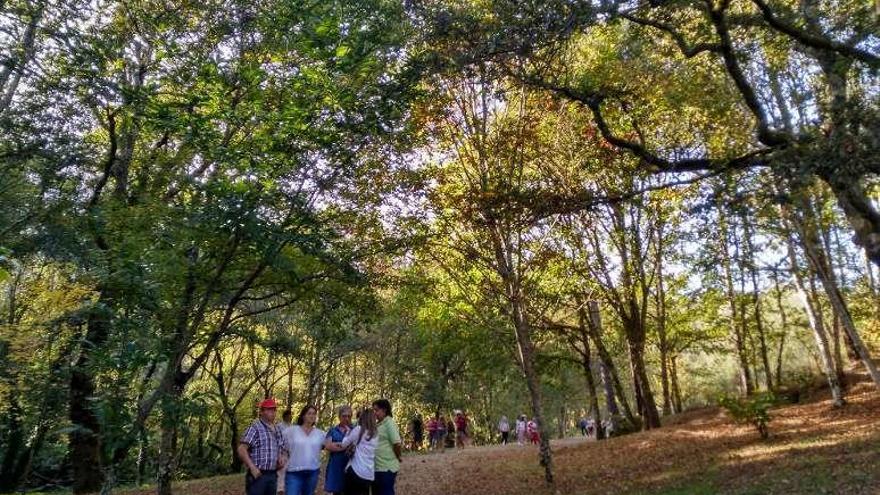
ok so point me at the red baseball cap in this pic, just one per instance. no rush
(268, 404)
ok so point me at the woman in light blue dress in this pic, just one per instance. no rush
(335, 475)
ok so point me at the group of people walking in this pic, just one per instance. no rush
(526, 430)
(286, 458)
(454, 432)
(589, 428)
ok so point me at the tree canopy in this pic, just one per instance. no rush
(612, 209)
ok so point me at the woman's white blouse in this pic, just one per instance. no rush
(305, 450)
(363, 462)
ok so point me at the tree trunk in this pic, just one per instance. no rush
(608, 387)
(508, 272)
(644, 397)
(783, 317)
(756, 303)
(869, 271)
(586, 363)
(662, 342)
(84, 438)
(235, 464)
(816, 258)
(676, 390)
(631, 307)
(818, 327)
(560, 426)
(527, 360)
(832, 273)
(13, 437)
(738, 337)
(851, 353)
(16, 68)
(166, 465)
(289, 404)
(141, 456)
(610, 377)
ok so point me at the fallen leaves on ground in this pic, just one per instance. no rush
(813, 448)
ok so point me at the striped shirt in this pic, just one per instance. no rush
(264, 444)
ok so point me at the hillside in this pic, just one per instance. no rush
(812, 449)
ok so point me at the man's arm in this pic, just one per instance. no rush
(245, 457)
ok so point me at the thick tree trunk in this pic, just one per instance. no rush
(171, 418)
(837, 302)
(84, 438)
(642, 387)
(165, 467)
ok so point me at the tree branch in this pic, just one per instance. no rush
(814, 41)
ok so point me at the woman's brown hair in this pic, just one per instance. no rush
(302, 414)
(367, 422)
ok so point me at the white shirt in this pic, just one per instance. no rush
(503, 426)
(305, 450)
(363, 462)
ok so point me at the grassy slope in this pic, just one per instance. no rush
(813, 449)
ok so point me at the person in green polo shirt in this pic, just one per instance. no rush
(388, 450)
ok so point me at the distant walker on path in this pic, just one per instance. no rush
(504, 429)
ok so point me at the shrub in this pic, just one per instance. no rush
(753, 410)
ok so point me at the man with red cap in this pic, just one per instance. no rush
(262, 451)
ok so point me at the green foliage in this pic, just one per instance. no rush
(753, 410)
(331, 201)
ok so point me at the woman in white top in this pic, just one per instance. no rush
(360, 472)
(304, 442)
(504, 428)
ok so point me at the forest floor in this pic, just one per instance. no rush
(812, 449)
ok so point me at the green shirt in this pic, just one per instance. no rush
(389, 435)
